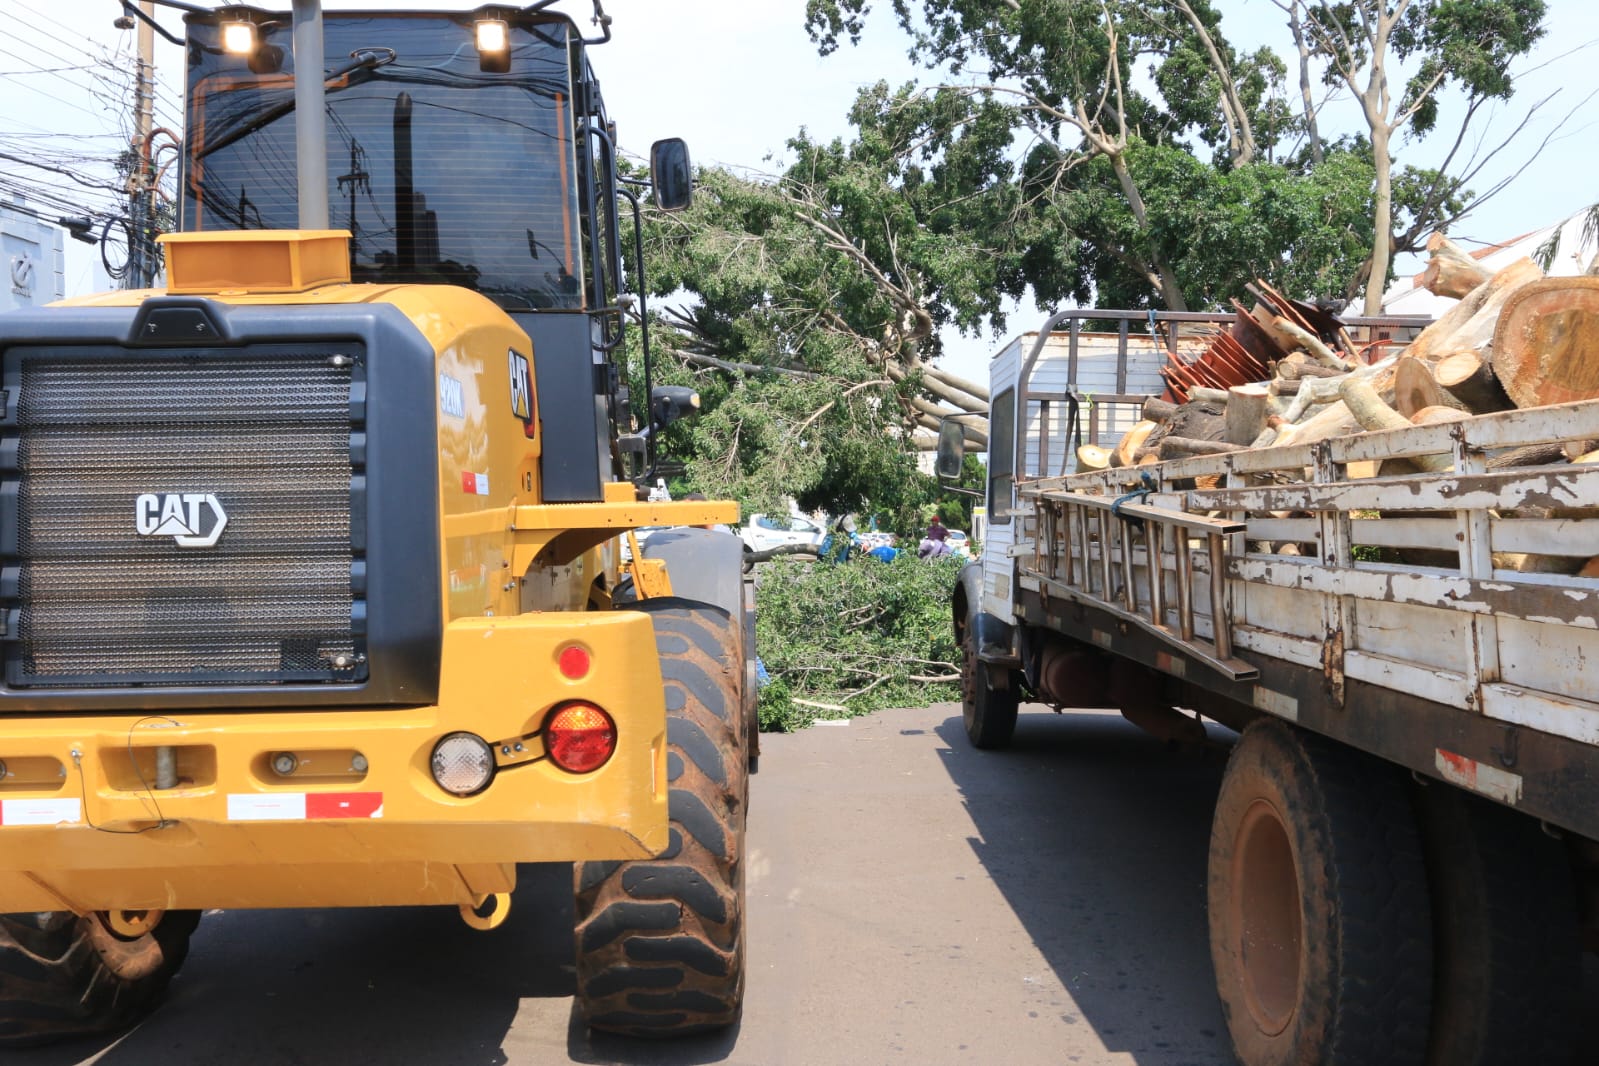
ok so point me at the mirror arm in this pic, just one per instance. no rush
(944, 487)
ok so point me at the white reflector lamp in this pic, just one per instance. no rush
(463, 764)
(493, 36)
(238, 37)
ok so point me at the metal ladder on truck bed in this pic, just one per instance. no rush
(1084, 551)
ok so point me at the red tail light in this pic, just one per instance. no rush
(580, 737)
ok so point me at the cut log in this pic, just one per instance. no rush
(1369, 409)
(1201, 421)
(1311, 392)
(1463, 325)
(1531, 455)
(1590, 568)
(1522, 563)
(1451, 271)
(1183, 447)
(1201, 394)
(1157, 410)
(1295, 371)
(1546, 349)
(1334, 420)
(1246, 413)
(1284, 386)
(1416, 388)
(1435, 416)
(1131, 443)
(1313, 345)
(1468, 377)
(1093, 457)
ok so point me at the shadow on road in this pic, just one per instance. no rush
(1096, 834)
(401, 986)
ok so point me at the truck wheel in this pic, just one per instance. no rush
(989, 713)
(660, 942)
(1320, 932)
(64, 976)
(1507, 956)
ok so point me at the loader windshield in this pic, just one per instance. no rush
(442, 171)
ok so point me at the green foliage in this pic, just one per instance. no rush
(1305, 229)
(862, 635)
(1122, 171)
(819, 297)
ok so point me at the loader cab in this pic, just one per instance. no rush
(452, 159)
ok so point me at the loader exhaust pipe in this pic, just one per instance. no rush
(310, 121)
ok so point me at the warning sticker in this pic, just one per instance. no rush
(303, 806)
(40, 811)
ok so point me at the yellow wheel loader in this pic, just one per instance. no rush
(309, 592)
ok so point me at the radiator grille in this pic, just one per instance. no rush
(100, 440)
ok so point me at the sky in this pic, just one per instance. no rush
(736, 78)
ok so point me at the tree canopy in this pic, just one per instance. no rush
(1122, 153)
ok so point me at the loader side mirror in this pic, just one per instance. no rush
(951, 450)
(671, 174)
(668, 403)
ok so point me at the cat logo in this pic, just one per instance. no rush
(178, 515)
(522, 390)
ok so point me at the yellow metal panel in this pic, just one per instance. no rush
(236, 262)
(500, 680)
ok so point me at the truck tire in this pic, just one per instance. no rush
(660, 942)
(1507, 955)
(1320, 931)
(64, 976)
(989, 712)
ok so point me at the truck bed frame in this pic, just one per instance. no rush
(1380, 611)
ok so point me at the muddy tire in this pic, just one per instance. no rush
(64, 976)
(1507, 955)
(988, 712)
(1320, 931)
(660, 942)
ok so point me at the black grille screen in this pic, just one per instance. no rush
(128, 467)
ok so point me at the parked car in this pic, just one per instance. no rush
(763, 531)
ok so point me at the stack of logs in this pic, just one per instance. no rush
(1514, 340)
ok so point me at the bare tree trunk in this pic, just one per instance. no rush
(1312, 134)
(1240, 136)
(1382, 213)
(1170, 291)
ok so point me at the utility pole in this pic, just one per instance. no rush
(141, 191)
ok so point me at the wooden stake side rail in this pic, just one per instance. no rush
(1397, 582)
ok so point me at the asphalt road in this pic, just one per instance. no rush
(911, 900)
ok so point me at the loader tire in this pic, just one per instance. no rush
(1506, 948)
(1320, 931)
(64, 976)
(989, 713)
(660, 942)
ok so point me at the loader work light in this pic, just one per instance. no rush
(238, 37)
(493, 46)
(462, 764)
(493, 36)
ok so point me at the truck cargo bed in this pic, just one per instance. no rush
(1434, 619)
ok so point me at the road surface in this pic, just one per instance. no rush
(910, 901)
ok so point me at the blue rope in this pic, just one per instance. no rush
(1147, 486)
